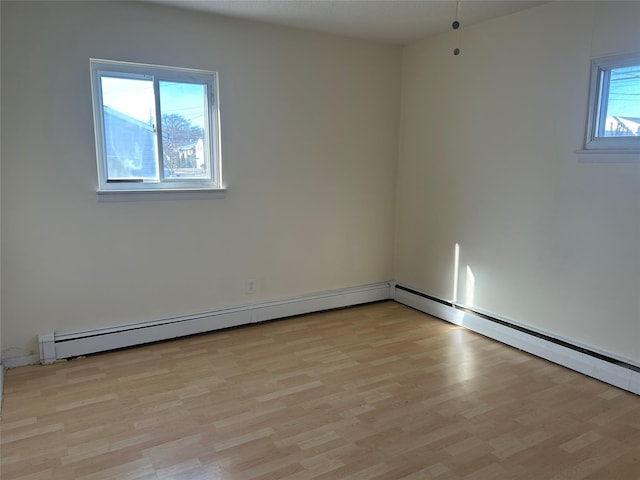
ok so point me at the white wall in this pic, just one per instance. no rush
(487, 161)
(309, 126)
(1, 367)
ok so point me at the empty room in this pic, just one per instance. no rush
(317, 239)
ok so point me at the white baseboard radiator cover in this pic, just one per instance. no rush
(58, 346)
(618, 372)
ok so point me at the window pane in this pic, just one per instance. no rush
(622, 115)
(128, 115)
(184, 119)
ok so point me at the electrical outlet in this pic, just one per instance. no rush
(251, 286)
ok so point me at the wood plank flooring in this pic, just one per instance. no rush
(379, 391)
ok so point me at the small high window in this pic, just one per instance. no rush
(614, 105)
(157, 128)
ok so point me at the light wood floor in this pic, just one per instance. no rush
(373, 392)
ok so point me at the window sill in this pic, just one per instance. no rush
(608, 156)
(159, 194)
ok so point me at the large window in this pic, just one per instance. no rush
(157, 128)
(614, 105)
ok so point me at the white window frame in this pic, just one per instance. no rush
(212, 141)
(600, 70)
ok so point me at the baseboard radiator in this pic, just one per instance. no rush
(604, 367)
(57, 346)
(614, 371)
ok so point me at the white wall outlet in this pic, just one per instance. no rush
(251, 286)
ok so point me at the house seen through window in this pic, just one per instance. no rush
(156, 127)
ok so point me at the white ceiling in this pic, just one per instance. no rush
(391, 21)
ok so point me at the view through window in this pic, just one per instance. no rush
(614, 110)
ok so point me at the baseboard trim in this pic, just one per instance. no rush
(20, 361)
(57, 346)
(601, 366)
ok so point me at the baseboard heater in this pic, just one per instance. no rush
(614, 371)
(57, 346)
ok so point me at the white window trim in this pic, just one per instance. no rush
(611, 149)
(192, 188)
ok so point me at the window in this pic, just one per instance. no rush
(157, 128)
(614, 105)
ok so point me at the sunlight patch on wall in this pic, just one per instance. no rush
(456, 265)
(470, 287)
